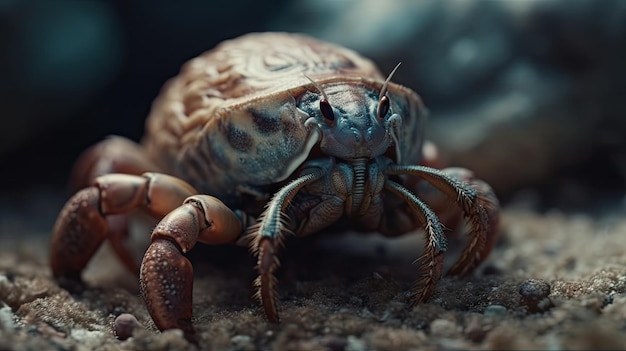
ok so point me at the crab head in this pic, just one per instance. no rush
(354, 122)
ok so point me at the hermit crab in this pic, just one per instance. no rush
(266, 136)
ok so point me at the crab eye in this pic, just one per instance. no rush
(327, 111)
(383, 107)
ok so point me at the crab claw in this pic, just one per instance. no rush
(166, 279)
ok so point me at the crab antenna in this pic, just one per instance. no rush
(383, 90)
(319, 88)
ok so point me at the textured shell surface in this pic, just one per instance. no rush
(234, 117)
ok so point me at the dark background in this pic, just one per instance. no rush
(529, 94)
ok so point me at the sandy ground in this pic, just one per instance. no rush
(333, 297)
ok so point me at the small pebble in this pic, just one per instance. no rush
(534, 293)
(124, 326)
(535, 289)
(117, 310)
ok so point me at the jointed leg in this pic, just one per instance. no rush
(476, 200)
(82, 226)
(166, 279)
(486, 220)
(268, 237)
(113, 155)
(430, 264)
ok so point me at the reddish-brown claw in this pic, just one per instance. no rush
(82, 225)
(77, 234)
(166, 279)
(114, 155)
(166, 284)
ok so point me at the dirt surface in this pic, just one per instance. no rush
(529, 95)
(335, 297)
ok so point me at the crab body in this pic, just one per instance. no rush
(238, 118)
(265, 135)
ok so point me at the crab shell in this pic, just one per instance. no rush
(233, 121)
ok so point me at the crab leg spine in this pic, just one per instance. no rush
(272, 224)
(478, 203)
(430, 264)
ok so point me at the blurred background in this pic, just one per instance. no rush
(531, 95)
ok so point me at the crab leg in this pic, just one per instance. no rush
(166, 279)
(113, 155)
(476, 200)
(431, 261)
(268, 237)
(82, 225)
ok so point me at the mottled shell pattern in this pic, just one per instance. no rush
(234, 118)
